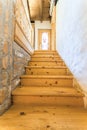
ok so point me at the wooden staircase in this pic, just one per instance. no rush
(47, 81)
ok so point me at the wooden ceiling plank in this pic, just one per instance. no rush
(41, 9)
(38, 8)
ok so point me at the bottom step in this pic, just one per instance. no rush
(47, 96)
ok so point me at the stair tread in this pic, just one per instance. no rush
(48, 67)
(52, 60)
(45, 51)
(46, 56)
(48, 61)
(49, 91)
(47, 76)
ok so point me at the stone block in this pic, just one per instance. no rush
(7, 16)
(0, 8)
(5, 48)
(2, 95)
(5, 62)
(6, 30)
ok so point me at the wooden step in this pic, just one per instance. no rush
(46, 63)
(47, 96)
(46, 59)
(45, 53)
(47, 81)
(47, 70)
(45, 56)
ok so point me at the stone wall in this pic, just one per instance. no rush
(21, 59)
(13, 56)
(6, 60)
(23, 45)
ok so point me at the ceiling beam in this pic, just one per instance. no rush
(52, 3)
(28, 8)
(41, 9)
(56, 2)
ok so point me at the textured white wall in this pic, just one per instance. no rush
(72, 37)
(40, 25)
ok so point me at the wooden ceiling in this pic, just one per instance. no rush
(39, 9)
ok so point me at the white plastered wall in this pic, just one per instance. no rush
(71, 19)
(40, 25)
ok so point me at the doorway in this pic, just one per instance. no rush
(44, 39)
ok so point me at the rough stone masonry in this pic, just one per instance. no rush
(13, 58)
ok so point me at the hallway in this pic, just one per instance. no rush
(43, 64)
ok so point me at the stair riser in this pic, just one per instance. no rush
(48, 100)
(44, 71)
(45, 56)
(47, 82)
(46, 64)
(45, 53)
(46, 59)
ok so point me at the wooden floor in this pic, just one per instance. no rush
(44, 118)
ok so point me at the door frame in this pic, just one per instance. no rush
(39, 38)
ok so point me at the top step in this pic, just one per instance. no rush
(45, 52)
